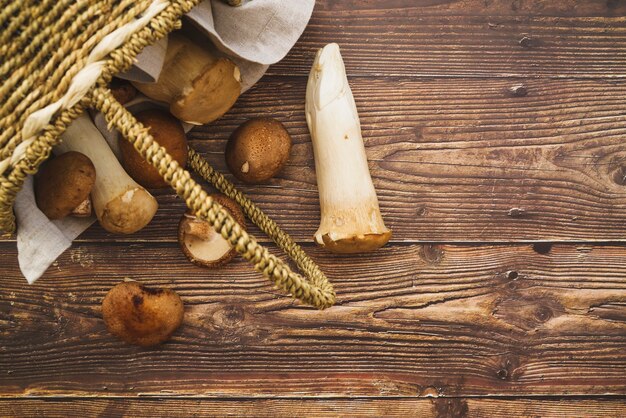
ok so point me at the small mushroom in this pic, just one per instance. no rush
(169, 133)
(141, 315)
(201, 244)
(63, 184)
(122, 90)
(257, 150)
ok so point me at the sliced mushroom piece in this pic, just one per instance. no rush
(141, 315)
(201, 244)
(63, 184)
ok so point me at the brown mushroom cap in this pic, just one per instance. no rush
(169, 133)
(63, 183)
(122, 90)
(140, 315)
(257, 150)
(201, 244)
(196, 80)
(212, 94)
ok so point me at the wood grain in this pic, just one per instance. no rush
(445, 321)
(452, 160)
(564, 8)
(485, 121)
(447, 38)
(276, 408)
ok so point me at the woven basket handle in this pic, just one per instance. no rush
(314, 290)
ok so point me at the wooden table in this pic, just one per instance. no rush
(495, 132)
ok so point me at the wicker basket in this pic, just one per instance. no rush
(58, 57)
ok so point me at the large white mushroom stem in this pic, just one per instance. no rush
(351, 220)
(121, 205)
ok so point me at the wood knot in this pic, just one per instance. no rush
(543, 313)
(431, 254)
(509, 368)
(542, 247)
(619, 176)
(519, 90)
(526, 313)
(229, 317)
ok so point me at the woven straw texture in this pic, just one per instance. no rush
(57, 59)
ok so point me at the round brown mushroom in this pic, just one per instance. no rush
(169, 133)
(257, 150)
(141, 315)
(64, 183)
(201, 243)
(122, 90)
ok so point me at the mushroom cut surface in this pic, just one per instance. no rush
(202, 244)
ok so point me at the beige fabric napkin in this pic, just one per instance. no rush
(254, 35)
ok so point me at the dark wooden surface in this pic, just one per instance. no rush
(495, 132)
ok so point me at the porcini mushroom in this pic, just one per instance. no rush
(141, 315)
(63, 184)
(257, 150)
(169, 133)
(198, 84)
(350, 216)
(121, 205)
(202, 244)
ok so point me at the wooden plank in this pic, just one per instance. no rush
(564, 8)
(276, 408)
(453, 160)
(463, 160)
(410, 321)
(448, 38)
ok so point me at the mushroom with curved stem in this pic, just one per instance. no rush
(121, 205)
(350, 215)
